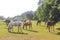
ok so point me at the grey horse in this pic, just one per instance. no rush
(15, 23)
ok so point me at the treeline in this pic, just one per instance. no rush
(2, 18)
(24, 16)
(48, 9)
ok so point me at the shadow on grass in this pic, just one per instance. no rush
(58, 29)
(18, 33)
(33, 31)
(58, 33)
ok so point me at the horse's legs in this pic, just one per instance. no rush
(49, 28)
(53, 28)
(8, 30)
(18, 28)
(30, 26)
(26, 27)
(23, 26)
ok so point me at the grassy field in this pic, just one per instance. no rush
(37, 33)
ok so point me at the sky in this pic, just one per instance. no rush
(11, 8)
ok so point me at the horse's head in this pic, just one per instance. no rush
(7, 21)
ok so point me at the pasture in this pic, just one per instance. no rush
(37, 33)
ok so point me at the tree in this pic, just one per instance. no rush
(50, 9)
(24, 16)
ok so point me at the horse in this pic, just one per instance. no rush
(27, 23)
(14, 23)
(7, 21)
(50, 25)
(38, 22)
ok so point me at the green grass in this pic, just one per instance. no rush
(39, 33)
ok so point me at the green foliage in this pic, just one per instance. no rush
(24, 16)
(27, 15)
(49, 10)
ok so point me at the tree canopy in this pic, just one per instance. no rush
(50, 9)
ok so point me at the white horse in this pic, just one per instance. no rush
(15, 23)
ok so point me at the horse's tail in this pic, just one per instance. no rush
(48, 27)
(9, 27)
